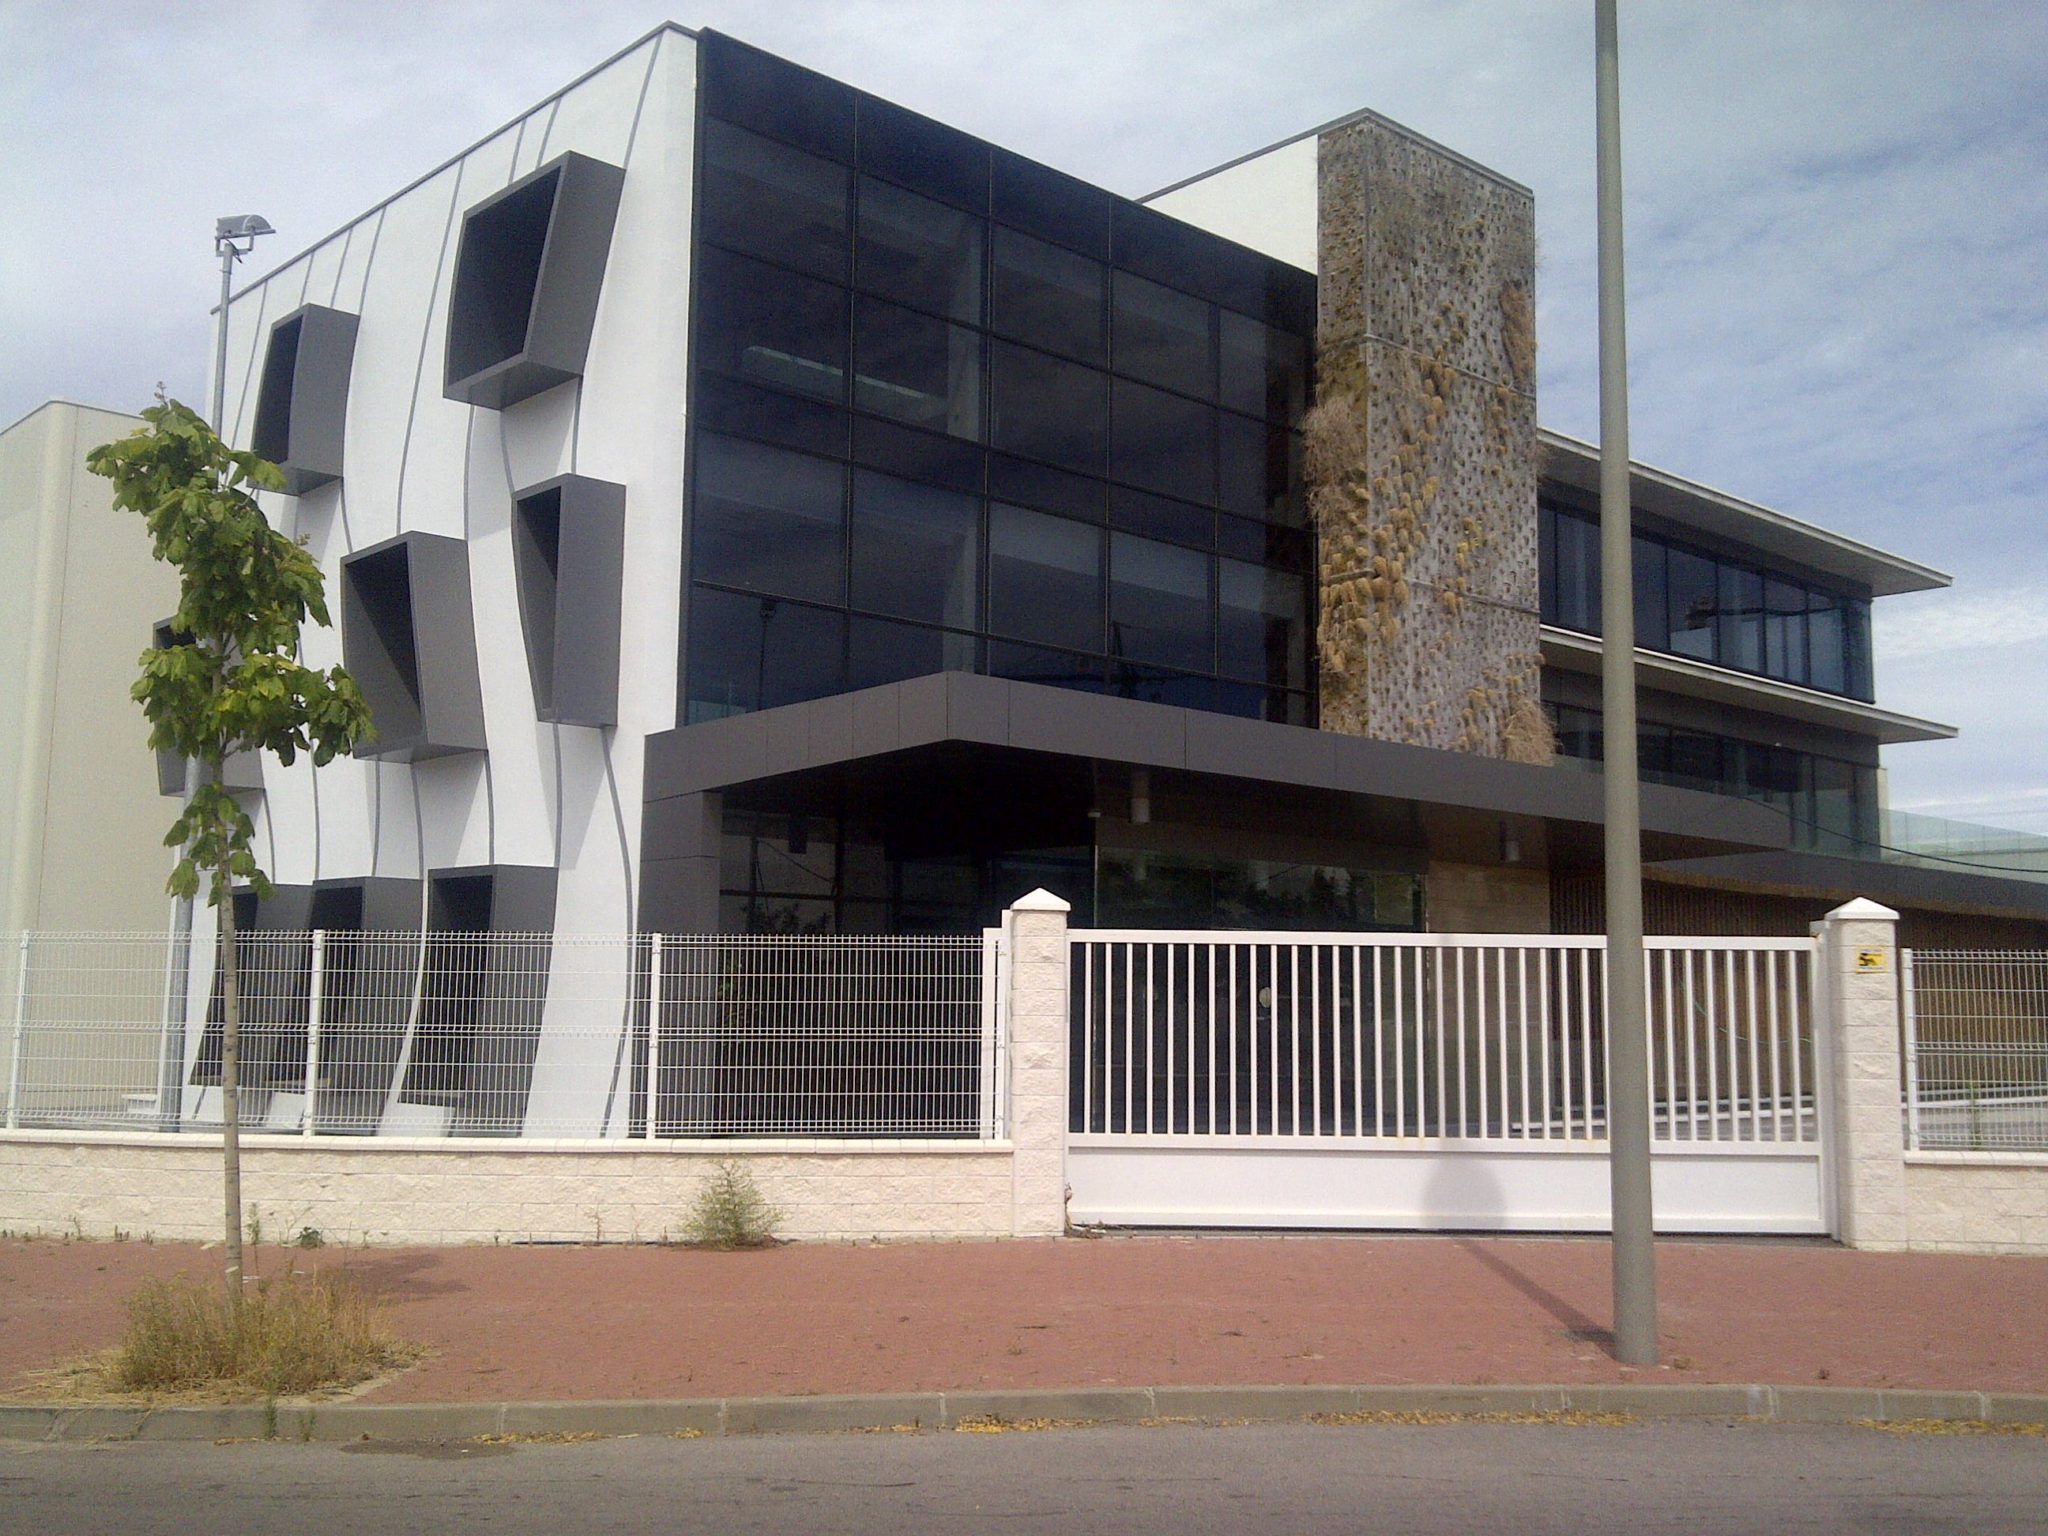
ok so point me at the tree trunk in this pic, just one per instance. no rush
(230, 1082)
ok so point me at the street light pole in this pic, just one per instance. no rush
(1628, 1042)
(233, 238)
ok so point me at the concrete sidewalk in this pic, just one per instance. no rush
(519, 1324)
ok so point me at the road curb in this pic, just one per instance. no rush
(692, 1417)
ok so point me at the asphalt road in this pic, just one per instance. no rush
(1176, 1480)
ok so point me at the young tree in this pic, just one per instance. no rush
(229, 682)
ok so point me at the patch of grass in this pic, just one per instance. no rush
(1431, 1416)
(293, 1333)
(730, 1211)
(1952, 1427)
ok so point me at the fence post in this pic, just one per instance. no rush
(1037, 1018)
(655, 989)
(18, 1035)
(1860, 1033)
(1912, 1027)
(314, 993)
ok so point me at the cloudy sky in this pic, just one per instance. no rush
(1837, 221)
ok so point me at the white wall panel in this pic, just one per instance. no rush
(1267, 202)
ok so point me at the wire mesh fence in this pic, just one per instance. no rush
(503, 1035)
(1976, 1050)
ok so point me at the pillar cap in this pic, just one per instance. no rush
(1863, 909)
(1041, 900)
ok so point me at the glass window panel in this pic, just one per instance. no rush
(1695, 604)
(1162, 336)
(1251, 466)
(1578, 573)
(1695, 762)
(793, 103)
(1159, 608)
(1264, 371)
(1056, 669)
(915, 551)
(920, 252)
(1163, 442)
(1742, 618)
(916, 455)
(771, 327)
(1045, 408)
(1827, 658)
(727, 405)
(770, 200)
(920, 153)
(1253, 701)
(1652, 621)
(879, 652)
(1160, 517)
(1050, 205)
(1785, 630)
(767, 519)
(1044, 579)
(1856, 668)
(1048, 296)
(1836, 821)
(757, 652)
(1049, 489)
(1261, 624)
(1262, 542)
(917, 369)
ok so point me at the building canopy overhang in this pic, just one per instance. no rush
(1449, 804)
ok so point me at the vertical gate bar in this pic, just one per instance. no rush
(1668, 958)
(1212, 1037)
(1586, 1016)
(1500, 995)
(1294, 1036)
(1712, 989)
(1443, 1100)
(1522, 1030)
(1543, 1029)
(315, 985)
(1461, 1026)
(1772, 967)
(1232, 951)
(1379, 1048)
(1420, 1003)
(1172, 1032)
(1315, 1035)
(1273, 1036)
(1192, 1033)
(1802, 978)
(1358, 1040)
(1692, 1057)
(1128, 948)
(1088, 1040)
(1912, 1028)
(1751, 1016)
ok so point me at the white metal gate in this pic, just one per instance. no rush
(1442, 1081)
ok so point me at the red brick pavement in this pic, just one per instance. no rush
(508, 1324)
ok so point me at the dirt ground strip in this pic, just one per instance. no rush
(565, 1323)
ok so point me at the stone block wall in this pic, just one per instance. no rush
(1422, 448)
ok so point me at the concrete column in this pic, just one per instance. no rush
(1859, 1029)
(1036, 928)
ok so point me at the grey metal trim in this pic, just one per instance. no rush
(1571, 651)
(1907, 885)
(1689, 504)
(1362, 115)
(302, 403)
(563, 305)
(440, 708)
(961, 707)
(569, 604)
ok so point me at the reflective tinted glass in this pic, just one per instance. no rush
(879, 652)
(916, 368)
(767, 519)
(772, 327)
(770, 200)
(1261, 617)
(1264, 371)
(1048, 296)
(1047, 409)
(1694, 597)
(756, 652)
(1162, 442)
(1162, 336)
(919, 252)
(1044, 579)
(1159, 604)
(915, 551)
(1742, 618)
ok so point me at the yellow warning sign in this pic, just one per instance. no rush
(1869, 959)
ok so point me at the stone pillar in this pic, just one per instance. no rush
(1422, 447)
(1858, 1027)
(1036, 928)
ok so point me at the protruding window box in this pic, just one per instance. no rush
(527, 278)
(408, 640)
(241, 772)
(302, 404)
(568, 548)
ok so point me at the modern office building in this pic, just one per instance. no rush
(756, 507)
